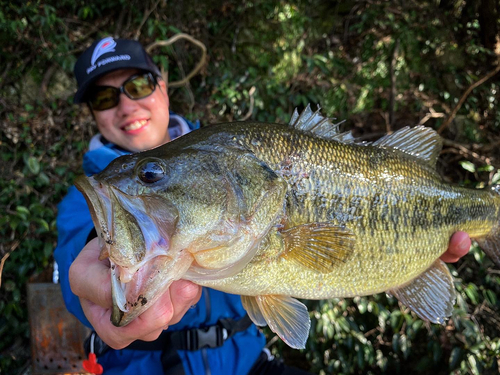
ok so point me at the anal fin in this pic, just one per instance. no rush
(318, 246)
(253, 310)
(431, 295)
(285, 316)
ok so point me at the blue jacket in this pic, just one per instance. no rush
(74, 224)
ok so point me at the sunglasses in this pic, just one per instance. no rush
(136, 87)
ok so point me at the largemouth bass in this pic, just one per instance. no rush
(278, 212)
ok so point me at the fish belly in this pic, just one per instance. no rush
(376, 265)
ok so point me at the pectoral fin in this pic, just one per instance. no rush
(431, 295)
(318, 246)
(286, 316)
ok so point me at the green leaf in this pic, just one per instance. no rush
(496, 178)
(395, 342)
(43, 179)
(22, 211)
(473, 365)
(486, 168)
(174, 29)
(43, 224)
(468, 166)
(47, 249)
(33, 165)
(472, 293)
(344, 324)
(455, 357)
(362, 305)
(491, 297)
(397, 320)
(9, 285)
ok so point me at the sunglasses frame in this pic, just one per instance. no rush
(121, 90)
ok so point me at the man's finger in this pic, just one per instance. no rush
(183, 294)
(459, 246)
(89, 277)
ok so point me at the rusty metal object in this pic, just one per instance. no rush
(56, 335)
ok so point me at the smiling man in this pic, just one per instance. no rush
(128, 99)
(208, 331)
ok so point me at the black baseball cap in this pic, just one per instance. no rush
(106, 55)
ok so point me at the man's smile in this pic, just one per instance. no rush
(135, 126)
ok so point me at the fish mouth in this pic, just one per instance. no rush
(134, 233)
(133, 298)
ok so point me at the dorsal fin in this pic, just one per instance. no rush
(421, 142)
(316, 124)
(345, 137)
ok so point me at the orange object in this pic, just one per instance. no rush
(91, 365)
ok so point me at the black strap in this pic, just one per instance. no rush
(196, 338)
(91, 236)
(234, 326)
(189, 339)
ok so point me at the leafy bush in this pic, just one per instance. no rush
(379, 65)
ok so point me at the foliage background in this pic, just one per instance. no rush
(380, 65)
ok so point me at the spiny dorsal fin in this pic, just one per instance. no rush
(421, 142)
(316, 124)
(285, 316)
(318, 246)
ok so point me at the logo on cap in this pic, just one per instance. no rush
(104, 46)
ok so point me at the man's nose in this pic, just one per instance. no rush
(126, 105)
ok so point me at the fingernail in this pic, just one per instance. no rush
(464, 245)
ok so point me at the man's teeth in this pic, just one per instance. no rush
(135, 125)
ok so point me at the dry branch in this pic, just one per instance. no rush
(447, 122)
(147, 13)
(462, 150)
(196, 69)
(4, 258)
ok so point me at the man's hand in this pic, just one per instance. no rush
(459, 246)
(89, 279)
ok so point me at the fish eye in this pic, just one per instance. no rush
(150, 172)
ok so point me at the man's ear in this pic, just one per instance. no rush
(91, 112)
(163, 87)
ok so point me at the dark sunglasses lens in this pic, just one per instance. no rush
(139, 87)
(104, 98)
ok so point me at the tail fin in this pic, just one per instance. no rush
(491, 243)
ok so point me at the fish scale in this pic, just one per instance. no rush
(397, 244)
(277, 212)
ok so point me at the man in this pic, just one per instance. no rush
(130, 105)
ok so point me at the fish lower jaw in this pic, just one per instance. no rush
(117, 289)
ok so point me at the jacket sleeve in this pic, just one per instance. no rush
(74, 224)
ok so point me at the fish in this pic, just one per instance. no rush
(279, 213)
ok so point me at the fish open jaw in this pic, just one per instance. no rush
(134, 232)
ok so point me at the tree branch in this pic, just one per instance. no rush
(392, 99)
(4, 258)
(147, 13)
(447, 122)
(464, 151)
(196, 69)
